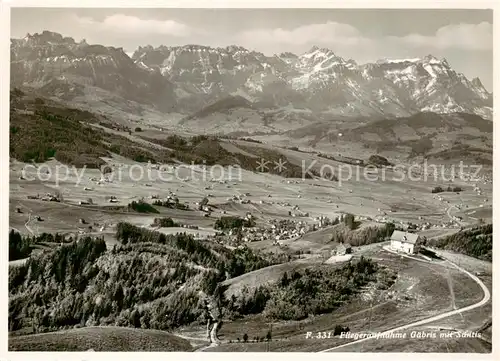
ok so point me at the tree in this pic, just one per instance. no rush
(339, 329)
(378, 160)
(437, 189)
(19, 246)
(59, 195)
(245, 337)
(135, 318)
(284, 280)
(349, 221)
(268, 336)
(118, 295)
(138, 129)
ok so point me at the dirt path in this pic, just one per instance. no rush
(451, 217)
(211, 345)
(214, 340)
(27, 225)
(450, 285)
(485, 300)
(198, 341)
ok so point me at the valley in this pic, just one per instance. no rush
(85, 194)
(216, 199)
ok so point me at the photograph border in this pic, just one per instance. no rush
(5, 7)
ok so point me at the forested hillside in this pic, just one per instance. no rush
(151, 280)
(476, 242)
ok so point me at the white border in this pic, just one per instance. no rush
(4, 175)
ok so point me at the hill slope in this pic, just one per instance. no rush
(110, 339)
(441, 137)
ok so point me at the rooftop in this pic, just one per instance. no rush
(404, 237)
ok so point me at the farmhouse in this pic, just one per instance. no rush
(405, 242)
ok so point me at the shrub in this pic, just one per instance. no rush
(231, 222)
(171, 204)
(142, 207)
(378, 160)
(337, 331)
(439, 189)
(164, 222)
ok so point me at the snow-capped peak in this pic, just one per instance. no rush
(428, 59)
(395, 61)
(316, 51)
(193, 75)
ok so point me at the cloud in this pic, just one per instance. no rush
(455, 36)
(339, 36)
(319, 33)
(120, 23)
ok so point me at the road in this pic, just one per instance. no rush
(486, 298)
(462, 224)
(449, 210)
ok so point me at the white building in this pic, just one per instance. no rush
(405, 242)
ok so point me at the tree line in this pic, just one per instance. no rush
(347, 233)
(476, 242)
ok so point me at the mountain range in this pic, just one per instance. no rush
(188, 79)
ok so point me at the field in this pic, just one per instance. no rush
(383, 199)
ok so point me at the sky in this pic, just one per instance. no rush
(463, 37)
